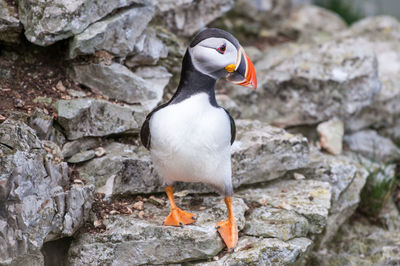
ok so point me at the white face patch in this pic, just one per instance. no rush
(207, 59)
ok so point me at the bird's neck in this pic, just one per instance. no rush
(193, 82)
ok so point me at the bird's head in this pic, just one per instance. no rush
(218, 54)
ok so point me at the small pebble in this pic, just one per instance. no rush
(138, 206)
(97, 223)
(141, 214)
(298, 176)
(100, 151)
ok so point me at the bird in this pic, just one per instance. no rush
(190, 136)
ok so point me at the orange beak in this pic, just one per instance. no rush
(244, 74)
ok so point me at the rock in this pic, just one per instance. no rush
(331, 135)
(51, 21)
(266, 251)
(309, 23)
(158, 78)
(45, 129)
(187, 17)
(116, 34)
(362, 243)
(347, 178)
(309, 198)
(375, 28)
(277, 223)
(38, 202)
(260, 153)
(146, 241)
(82, 156)
(148, 49)
(10, 28)
(96, 118)
(316, 84)
(73, 147)
(372, 145)
(119, 83)
(226, 102)
(76, 93)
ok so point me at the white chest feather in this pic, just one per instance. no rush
(190, 142)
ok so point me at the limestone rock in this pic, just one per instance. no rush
(10, 27)
(147, 241)
(309, 198)
(73, 147)
(82, 156)
(118, 82)
(331, 135)
(277, 223)
(347, 178)
(148, 49)
(186, 17)
(370, 144)
(116, 34)
(46, 22)
(90, 117)
(36, 198)
(309, 23)
(260, 153)
(44, 127)
(266, 251)
(316, 84)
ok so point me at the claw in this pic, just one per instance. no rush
(228, 231)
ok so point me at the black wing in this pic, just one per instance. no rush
(233, 127)
(145, 135)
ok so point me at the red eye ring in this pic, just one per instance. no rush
(221, 49)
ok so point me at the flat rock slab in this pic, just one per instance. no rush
(96, 118)
(309, 198)
(116, 34)
(266, 251)
(278, 223)
(147, 241)
(46, 22)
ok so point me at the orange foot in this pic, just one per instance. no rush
(228, 231)
(177, 217)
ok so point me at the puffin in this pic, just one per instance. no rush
(190, 136)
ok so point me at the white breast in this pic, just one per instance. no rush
(190, 142)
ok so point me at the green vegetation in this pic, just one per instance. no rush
(343, 8)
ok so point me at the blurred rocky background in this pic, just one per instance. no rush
(315, 162)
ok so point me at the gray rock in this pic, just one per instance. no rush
(309, 198)
(146, 241)
(118, 82)
(82, 144)
(277, 223)
(309, 23)
(90, 117)
(347, 178)
(148, 49)
(116, 34)
(158, 78)
(370, 144)
(51, 21)
(36, 198)
(362, 243)
(226, 102)
(10, 28)
(187, 17)
(260, 153)
(331, 135)
(82, 156)
(266, 251)
(45, 128)
(315, 84)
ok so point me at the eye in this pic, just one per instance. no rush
(221, 49)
